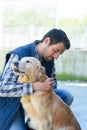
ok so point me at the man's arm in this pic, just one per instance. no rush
(8, 84)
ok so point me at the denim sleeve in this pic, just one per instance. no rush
(8, 83)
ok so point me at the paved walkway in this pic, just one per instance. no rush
(79, 105)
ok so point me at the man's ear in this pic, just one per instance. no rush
(47, 41)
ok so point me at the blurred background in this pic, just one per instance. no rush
(23, 21)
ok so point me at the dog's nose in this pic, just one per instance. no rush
(16, 64)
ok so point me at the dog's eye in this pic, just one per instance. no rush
(28, 61)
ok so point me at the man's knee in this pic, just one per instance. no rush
(70, 100)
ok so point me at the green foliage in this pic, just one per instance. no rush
(73, 25)
(43, 17)
(2, 58)
(28, 17)
(70, 77)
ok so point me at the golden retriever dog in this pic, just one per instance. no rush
(45, 109)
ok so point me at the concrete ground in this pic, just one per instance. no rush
(79, 105)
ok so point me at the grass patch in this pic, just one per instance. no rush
(70, 77)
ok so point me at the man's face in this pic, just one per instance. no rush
(51, 52)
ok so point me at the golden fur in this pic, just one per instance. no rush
(45, 109)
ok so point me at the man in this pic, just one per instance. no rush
(50, 47)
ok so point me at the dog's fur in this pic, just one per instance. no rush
(45, 109)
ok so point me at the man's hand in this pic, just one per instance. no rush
(43, 85)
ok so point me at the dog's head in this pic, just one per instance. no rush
(29, 69)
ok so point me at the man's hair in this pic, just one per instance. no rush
(56, 36)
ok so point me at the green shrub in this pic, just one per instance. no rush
(70, 77)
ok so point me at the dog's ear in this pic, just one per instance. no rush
(42, 74)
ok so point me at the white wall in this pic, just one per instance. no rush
(73, 62)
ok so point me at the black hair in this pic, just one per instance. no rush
(56, 36)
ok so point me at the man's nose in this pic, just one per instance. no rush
(56, 55)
